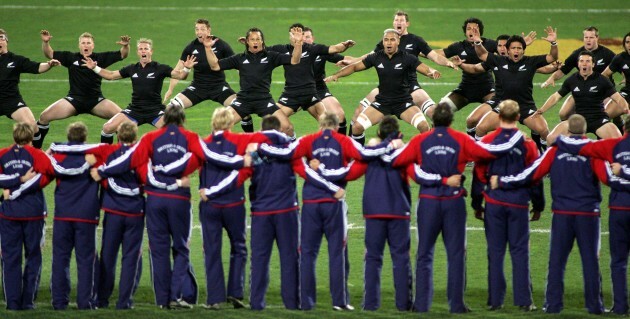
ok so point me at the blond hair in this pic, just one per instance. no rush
(509, 111)
(127, 132)
(22, 133)
(145, 40)
(222, 119)
(328, 120)
(86, 35)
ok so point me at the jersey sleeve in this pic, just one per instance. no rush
(426, 179)
(619, 183)
(64, 57)
(186, 52)
(413, 62)
(126, 71)
(333, 58)
(490, 45)
(565, 88)
(452, 50)
(9, 180)
(533, 173)
(106, 59)
(28, 66)
(424, 47)
(232, 62)
(38, 182)
(221, 160)
(165, 70)
(602, 149)
(408, 154)
(539, 61)
(370, 60)
(570, 63)
(319, 49)
(301, 167)
(616, 64)
(280, 59)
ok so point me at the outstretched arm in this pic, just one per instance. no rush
(104, 73)
(182, 74)
(46, 66)
(552, 36)
(441, 60)
(551, 101)
(208, 43)
(296, 41)
(468, 68)
(124, 45)
(172, 83)
(341, 47)
(481, 51)
(48, 51)
(359, 66)
(427, 71)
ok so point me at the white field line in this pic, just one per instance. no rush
(315, 9)
(333, 85)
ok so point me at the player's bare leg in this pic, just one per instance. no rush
(106, 109)
(567, 109)
(363, 104)
(414, 116)
(488, 123)
(365, 120)
(332, 105)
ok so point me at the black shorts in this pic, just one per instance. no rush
(389, 108)
(297, 102)
(218, 93)
(144, 117)
(10, 105)
(474, 92)
(260, 107)
(83, 104)
(594, 122)
(525, 111)
(625, 94)
(323, 92)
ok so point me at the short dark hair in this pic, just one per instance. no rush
(307, 29)
(22, 133)
(297, 25)
(388, 125)
(589, 53)
(503, 37)
(402, 13)
(516, 38)
(593, 29)
(203, 21)
(442, 115)
(77, 132)
(262, 37)
(270, 122)
(174, 115)
(473, 20)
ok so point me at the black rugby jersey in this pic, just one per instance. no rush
(83, 81)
